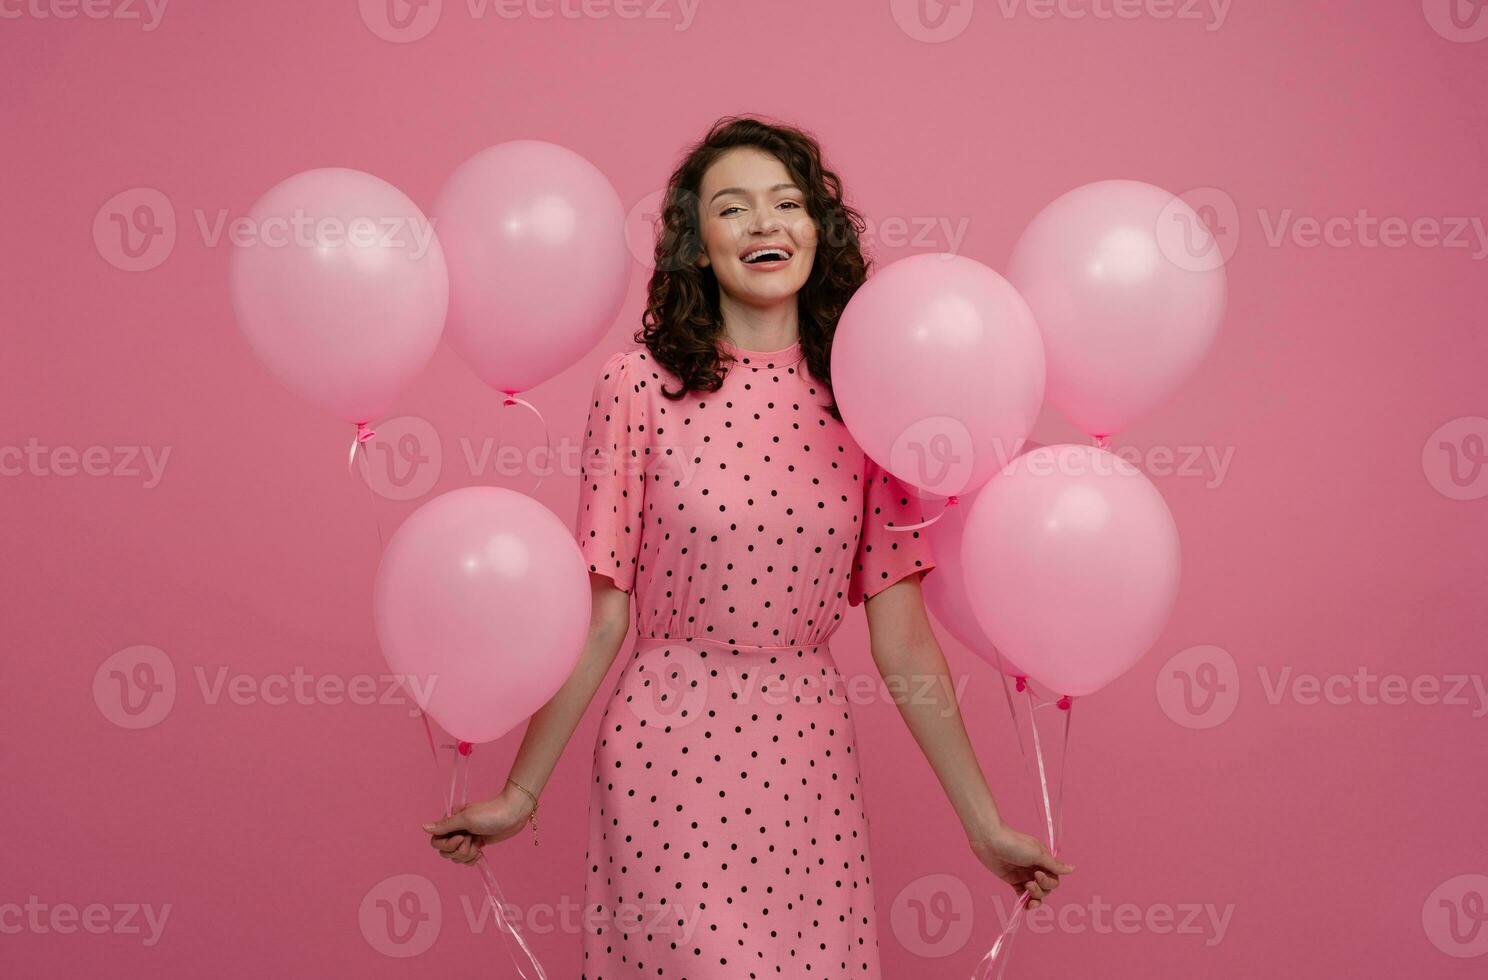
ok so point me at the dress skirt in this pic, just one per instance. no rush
(727, 834)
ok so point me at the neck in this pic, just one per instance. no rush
(760, 327)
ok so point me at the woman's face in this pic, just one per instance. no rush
(747, 202)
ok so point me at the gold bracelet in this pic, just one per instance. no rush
(532, 817)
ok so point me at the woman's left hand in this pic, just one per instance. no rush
(1022, 861)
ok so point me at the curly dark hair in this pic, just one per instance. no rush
(682, 323)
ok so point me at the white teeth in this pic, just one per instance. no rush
(765, 251)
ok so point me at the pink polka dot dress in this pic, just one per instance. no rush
(727, 836)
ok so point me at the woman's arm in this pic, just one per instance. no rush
(460, 836)
(553, 724)
(914, 669)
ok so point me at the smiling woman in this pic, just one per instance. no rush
(724, 501)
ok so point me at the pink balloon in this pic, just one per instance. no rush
(945, 592)
(535, 236)
(339, 284)
(1072, 561)
(938, 370)
(482, 608)
(1128, 287)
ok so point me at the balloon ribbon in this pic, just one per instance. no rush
(951, 501)
(460, 773)
(512, 399)
(994, 962)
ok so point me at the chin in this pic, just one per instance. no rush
(771, 297)
(767, 292)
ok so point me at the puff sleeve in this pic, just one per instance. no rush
(884, 557)
(612, 473)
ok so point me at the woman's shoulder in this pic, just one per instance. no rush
(634, 372)
(625, 383)
(622, 369)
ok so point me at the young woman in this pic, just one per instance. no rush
(721, 492)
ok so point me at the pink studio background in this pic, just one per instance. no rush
(1326, 832)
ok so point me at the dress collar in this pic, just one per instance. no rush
(762, 360)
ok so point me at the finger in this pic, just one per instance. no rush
(1047, 881)
(1033, 903)
(448, 844)
(445, 825)
(1052, 864)
(1033, 889)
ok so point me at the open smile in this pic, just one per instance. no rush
(766, 257)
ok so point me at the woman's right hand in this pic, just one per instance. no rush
(461, 835)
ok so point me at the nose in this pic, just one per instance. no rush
(764, 220)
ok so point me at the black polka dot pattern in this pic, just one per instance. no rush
(727, 836)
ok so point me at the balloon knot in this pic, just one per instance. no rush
(364, 433)
(466, 748)
(951, 500)
(1021, 682)
(1063, 704)
(510, 396)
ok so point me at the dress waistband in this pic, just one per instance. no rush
(652, 642)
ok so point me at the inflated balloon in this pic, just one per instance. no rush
(1072, 562)
(339, 284)
(938, 370)
(482, 607)
(945, 591)
(535, 238)
(1128, 286)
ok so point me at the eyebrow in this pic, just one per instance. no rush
(740, 190)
